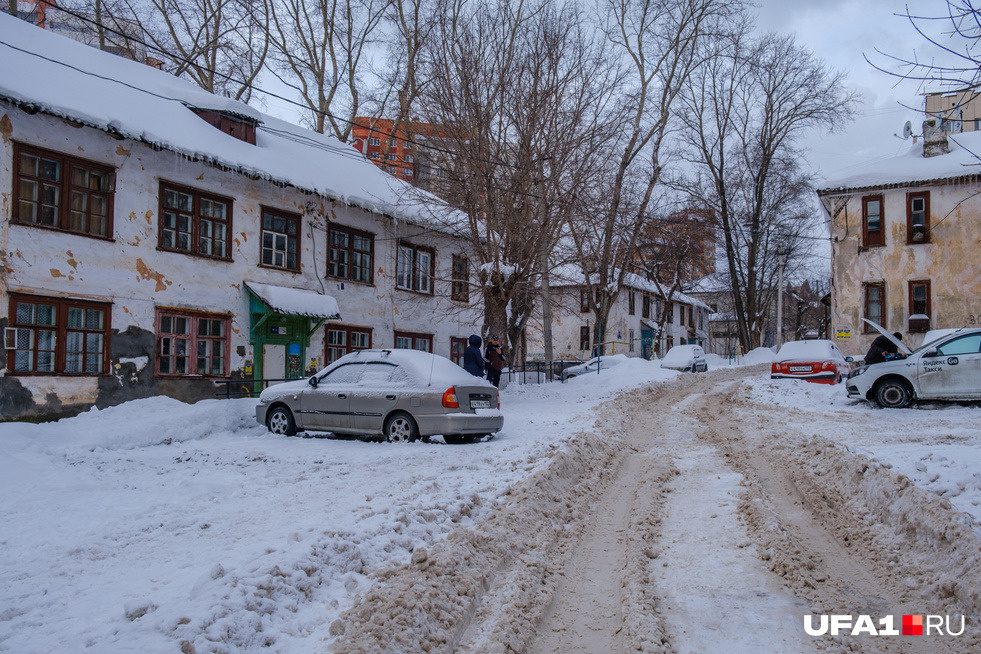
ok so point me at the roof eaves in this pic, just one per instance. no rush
(938, 181)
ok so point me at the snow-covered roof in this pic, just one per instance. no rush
(53, 74)
(572, 275)
(912, 168)
(632, 280)
(296, 301)
(714, 283)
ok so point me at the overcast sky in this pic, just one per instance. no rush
(839, 32)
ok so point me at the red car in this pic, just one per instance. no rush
(814, 361)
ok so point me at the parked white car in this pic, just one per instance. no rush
(593, 365)
(945, 369)
(687, 358)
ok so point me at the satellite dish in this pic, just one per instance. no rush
(907, 130)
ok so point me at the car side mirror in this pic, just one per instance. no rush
(313, 381)
(932, 352)
(850, 359)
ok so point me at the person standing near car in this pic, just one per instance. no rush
(473, 361)
(882, 346)
(495, 361)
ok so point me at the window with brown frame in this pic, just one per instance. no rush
(670, 310)
(873, 221)
(646, 306)
(918, 217)
(194, 222)
(415, 268)
(350, 253)
(57, 336)
(192, 344)
(584, 300)
(61, 192)
(413, 341)
(875, 305)
(460, 286)
(457, 347)
(343, 339)
(584, 337)
(280, 239)
(919, 305)
(631, 303)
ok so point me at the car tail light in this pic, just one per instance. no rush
(498, 400)
(449, 398)
(775, 367)
(829, 365)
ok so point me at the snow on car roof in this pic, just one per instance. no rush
(817, 350)
(430, 369)
(680, 353)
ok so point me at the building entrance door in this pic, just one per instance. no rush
(273, 361)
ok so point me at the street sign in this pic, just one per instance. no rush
(843, 333)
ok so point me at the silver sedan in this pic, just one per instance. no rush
(399, 394)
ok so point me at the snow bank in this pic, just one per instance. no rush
(757, 356)
(162, 526)
(936, 445)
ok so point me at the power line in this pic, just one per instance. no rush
(254, 87)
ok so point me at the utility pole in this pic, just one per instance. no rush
(547, 317)
(782, 258)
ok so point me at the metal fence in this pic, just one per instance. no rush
(244, 387)
(535, 372)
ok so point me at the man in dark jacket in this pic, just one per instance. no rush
(495, 361)
(473, 360)
(880, 347)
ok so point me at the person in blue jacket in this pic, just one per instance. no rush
(473, 359)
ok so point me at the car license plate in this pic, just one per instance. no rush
(479, 404)
(800, 369)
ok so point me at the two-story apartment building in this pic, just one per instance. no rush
(155, 238)
(905, 237)
(634, 328)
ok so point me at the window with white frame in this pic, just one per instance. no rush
(280, 239)
(415, 268)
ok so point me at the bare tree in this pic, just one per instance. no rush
(219, 44)
(320, 50)
(955, 34)
(520, 93)
(658, 42)
(672, 251)
(745, 110)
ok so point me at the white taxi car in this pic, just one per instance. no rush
(946, 369)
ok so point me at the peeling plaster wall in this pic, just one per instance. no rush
(136, 277)
(951, 261)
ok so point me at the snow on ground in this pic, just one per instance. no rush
(937, 445)
(157, 522)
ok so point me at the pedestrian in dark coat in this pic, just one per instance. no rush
(473, 361)
(881, 346)
(495, 361)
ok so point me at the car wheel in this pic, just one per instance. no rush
(401, 428)
(458, 439)
(893, 394)
(280, 421)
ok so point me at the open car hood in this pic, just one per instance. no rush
(902, 348)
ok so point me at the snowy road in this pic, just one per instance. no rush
(716, 524)
(640, 510)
